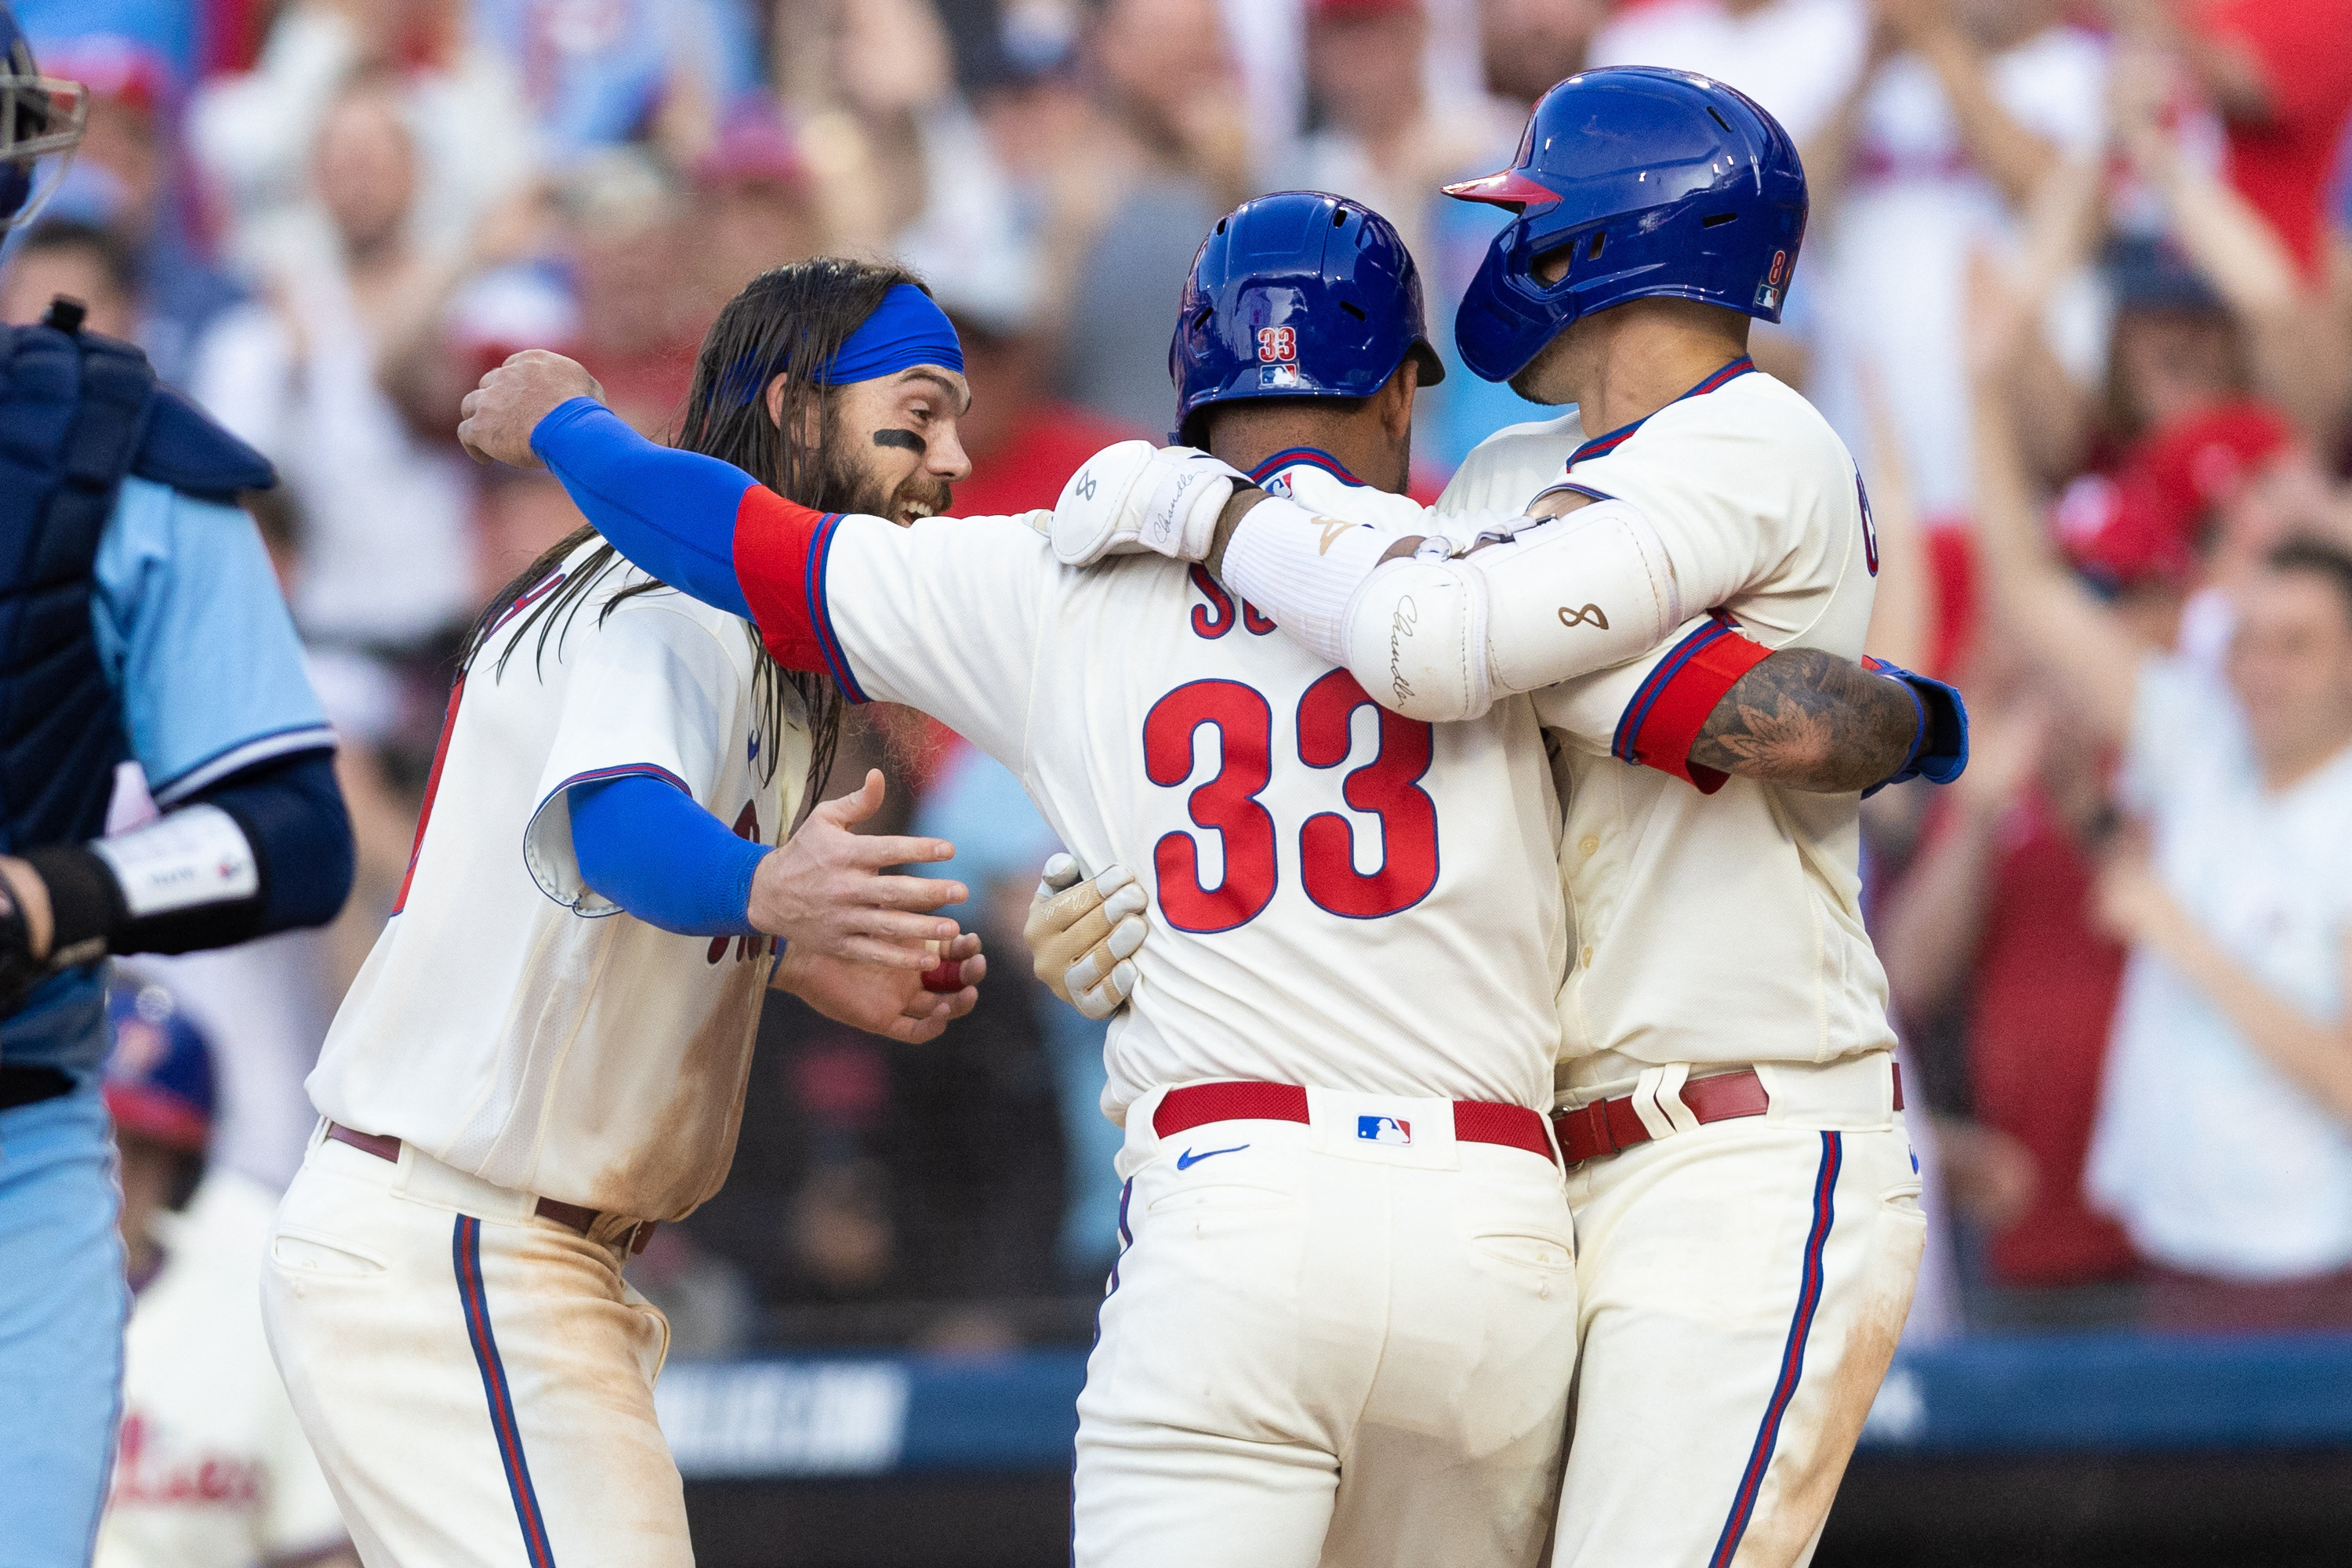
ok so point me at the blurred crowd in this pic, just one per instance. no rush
(2078, 290)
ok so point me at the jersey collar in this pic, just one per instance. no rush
(1600, 445)
(1304, 456)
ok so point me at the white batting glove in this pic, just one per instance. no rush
(1082, 935)
(1135, 497)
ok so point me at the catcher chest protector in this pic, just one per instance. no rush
(76, 413)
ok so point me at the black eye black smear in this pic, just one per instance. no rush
(906, 438)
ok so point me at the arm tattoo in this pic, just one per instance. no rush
(1809, 721)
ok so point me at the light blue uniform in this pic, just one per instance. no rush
(196, 640)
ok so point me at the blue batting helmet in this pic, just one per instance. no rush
(1298, 294)
(38, 117)
(1648, 184)
(159, 1076)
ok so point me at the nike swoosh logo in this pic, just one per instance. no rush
(1332, 529)
(1187, 1159)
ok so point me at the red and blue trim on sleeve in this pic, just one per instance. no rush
(1792, 1355)
(1601, 446)
(782, 552)
(1662, 722)
(1304, 458)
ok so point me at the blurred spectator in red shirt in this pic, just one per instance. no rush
(1995, 919)
(2280, 72)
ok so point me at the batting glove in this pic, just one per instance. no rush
(1134, 497)
(1082, 935)
(1941, 754)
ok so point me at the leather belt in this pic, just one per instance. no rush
(572, 1216)
(1611, 1126)
(1475, 1120)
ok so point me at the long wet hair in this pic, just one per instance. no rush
(798, 314)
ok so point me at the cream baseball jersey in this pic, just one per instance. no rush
(1342, 898)
(211, 1469)
(1717, 920)
(512, 1023)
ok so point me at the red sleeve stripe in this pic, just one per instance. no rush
(1662, 722)
(432, 789)
(780, 548)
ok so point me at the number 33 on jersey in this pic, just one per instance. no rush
(1342, 896)
(1381, 860)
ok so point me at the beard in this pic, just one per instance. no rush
(847, 480)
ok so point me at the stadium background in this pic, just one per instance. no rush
(324, 217)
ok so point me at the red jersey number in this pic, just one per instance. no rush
(1227, 801)
(1388, 786)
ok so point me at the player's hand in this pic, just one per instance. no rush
(501, 413)
(823, 891)
(1082, 935)
(1133, 497)
(903, 1004)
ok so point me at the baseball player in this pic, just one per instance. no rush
(545, 1055)
(1745, 1193)
(211, 1467)
(138, 623)
(1299, 1359)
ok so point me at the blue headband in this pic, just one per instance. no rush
(906, 329)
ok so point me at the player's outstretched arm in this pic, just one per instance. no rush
(646, 846)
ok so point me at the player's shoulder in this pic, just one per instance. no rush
(1504, 470)
(1565, 432)
(1752, 410)
(1323, 490)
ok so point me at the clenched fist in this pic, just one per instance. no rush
(501, 413)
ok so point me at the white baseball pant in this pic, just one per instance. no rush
(1325, 1345)
(1740, 1287)
(477, 1381)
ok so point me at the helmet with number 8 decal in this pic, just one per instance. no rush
(1647, 184)
(39, 117)
(1296, 294)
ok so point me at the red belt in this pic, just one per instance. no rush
(1475, 1120)
(1608, 1126)
(572, 1216)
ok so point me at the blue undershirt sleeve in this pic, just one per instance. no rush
(671, 512)
(650, 849)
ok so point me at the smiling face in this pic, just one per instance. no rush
(890, 447)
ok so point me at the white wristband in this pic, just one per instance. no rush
(1300, 570)
(193, 857)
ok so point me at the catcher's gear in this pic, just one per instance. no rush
(1297, 294)
(1131, 497)
(1648, 182)
(40, 117)
(19, 970)
(1082, 935)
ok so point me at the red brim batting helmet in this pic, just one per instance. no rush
(1635, 182)
(1297, 294)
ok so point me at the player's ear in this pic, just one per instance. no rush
(1396, 397)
